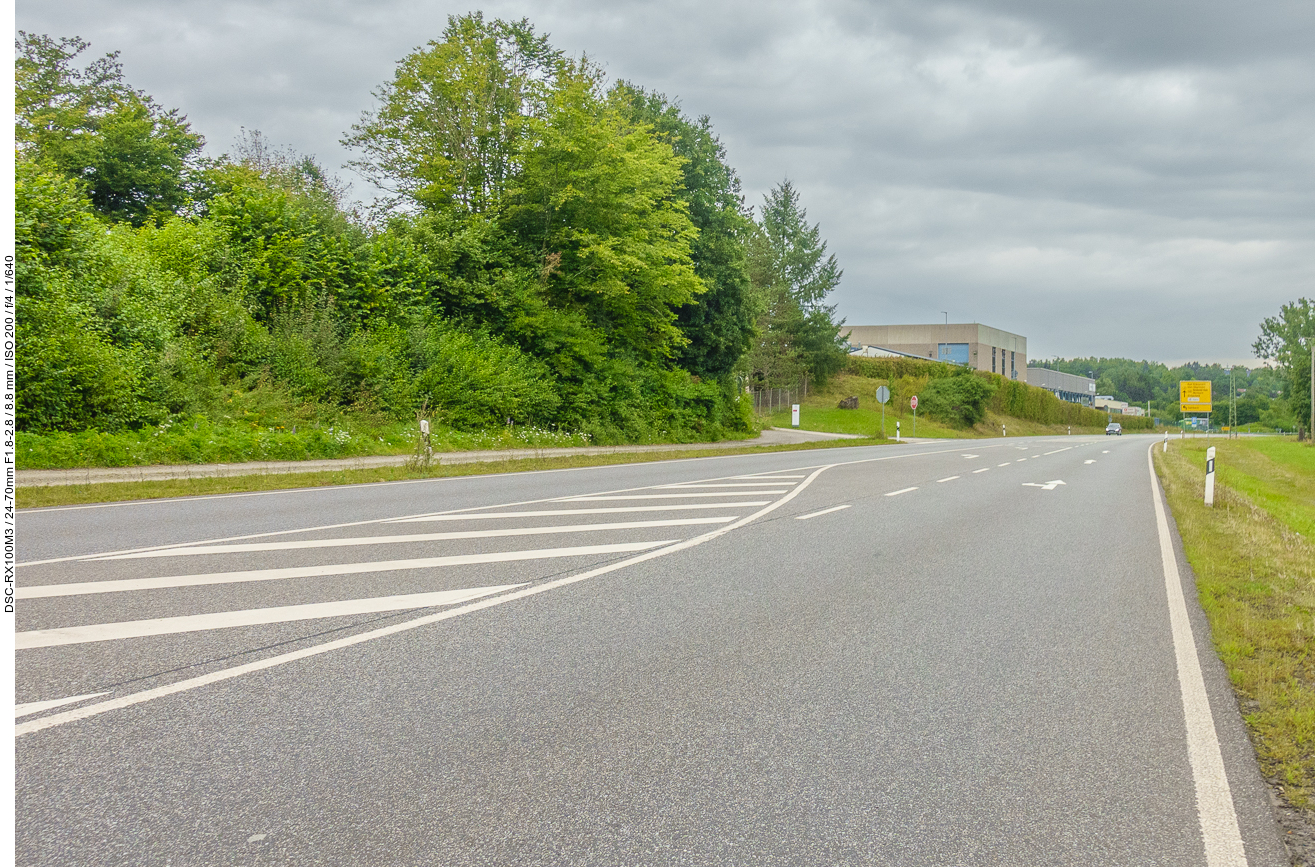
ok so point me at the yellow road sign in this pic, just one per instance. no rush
(1194, 396)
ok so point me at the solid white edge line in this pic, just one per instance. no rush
(823, 512)
(1214, 800)
(901, 491)
(91, 710)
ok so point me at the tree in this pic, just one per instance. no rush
(134, 157)
(1287, 339)
(449, 125)
(792, 275)
(720, 324)
(596, 203)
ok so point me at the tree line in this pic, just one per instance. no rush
(1275, 395)
(552, 249)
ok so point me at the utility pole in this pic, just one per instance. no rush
(945, 336)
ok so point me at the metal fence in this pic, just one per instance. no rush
(769, 400)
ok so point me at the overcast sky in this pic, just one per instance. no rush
(1115, 177)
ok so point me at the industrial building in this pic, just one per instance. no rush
(973, 344)
(1065, 386)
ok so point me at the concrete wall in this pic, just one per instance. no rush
(988, 348)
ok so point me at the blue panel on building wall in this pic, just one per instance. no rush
(955, 352)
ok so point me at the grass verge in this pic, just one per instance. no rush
(819, 411)
(1255, 574)
(69, 495)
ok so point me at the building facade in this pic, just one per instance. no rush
(1065, 386)
(978, 346)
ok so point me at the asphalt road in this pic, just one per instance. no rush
(931, 654)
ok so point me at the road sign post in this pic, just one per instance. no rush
(883, 395)
(1210, 476)
(913, 402)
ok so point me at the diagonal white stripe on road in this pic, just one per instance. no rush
(119, 702)
(249, 617)
(419, 537)
(131, 584)
(668, 496)
(614, 510)
(819, 514)
(772, 484)
(31, 707)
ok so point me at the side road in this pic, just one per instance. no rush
(160, 472)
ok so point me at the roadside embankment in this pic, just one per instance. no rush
(40, 488)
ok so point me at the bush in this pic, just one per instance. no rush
(958, 400)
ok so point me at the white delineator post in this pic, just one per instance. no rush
(794, 415)
(1210, 476)
(1166, 441)
(896, 431)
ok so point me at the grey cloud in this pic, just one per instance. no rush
(1128, 177)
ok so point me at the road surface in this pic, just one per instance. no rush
(933, 654)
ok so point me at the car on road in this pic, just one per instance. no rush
(1114, 429)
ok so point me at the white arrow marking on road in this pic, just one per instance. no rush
(32, 707)
(1048, 486)
(970, 456)
(41, 591)
(249, 617)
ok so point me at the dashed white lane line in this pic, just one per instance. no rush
(771, 478)
(901, 491)
(248, 617)
(45, 591)
(200, 550)
(970, 456)
(1057, 451)
(31, 707)
(1088, 462)
(1020, 460)
(823, 512)
(984, 469)
(1005, 464)
(543, 513)
(946, 479)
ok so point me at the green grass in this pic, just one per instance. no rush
(819, 411)
(1255, 570)
(67, 495)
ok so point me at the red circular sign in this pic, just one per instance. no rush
(913, 402)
